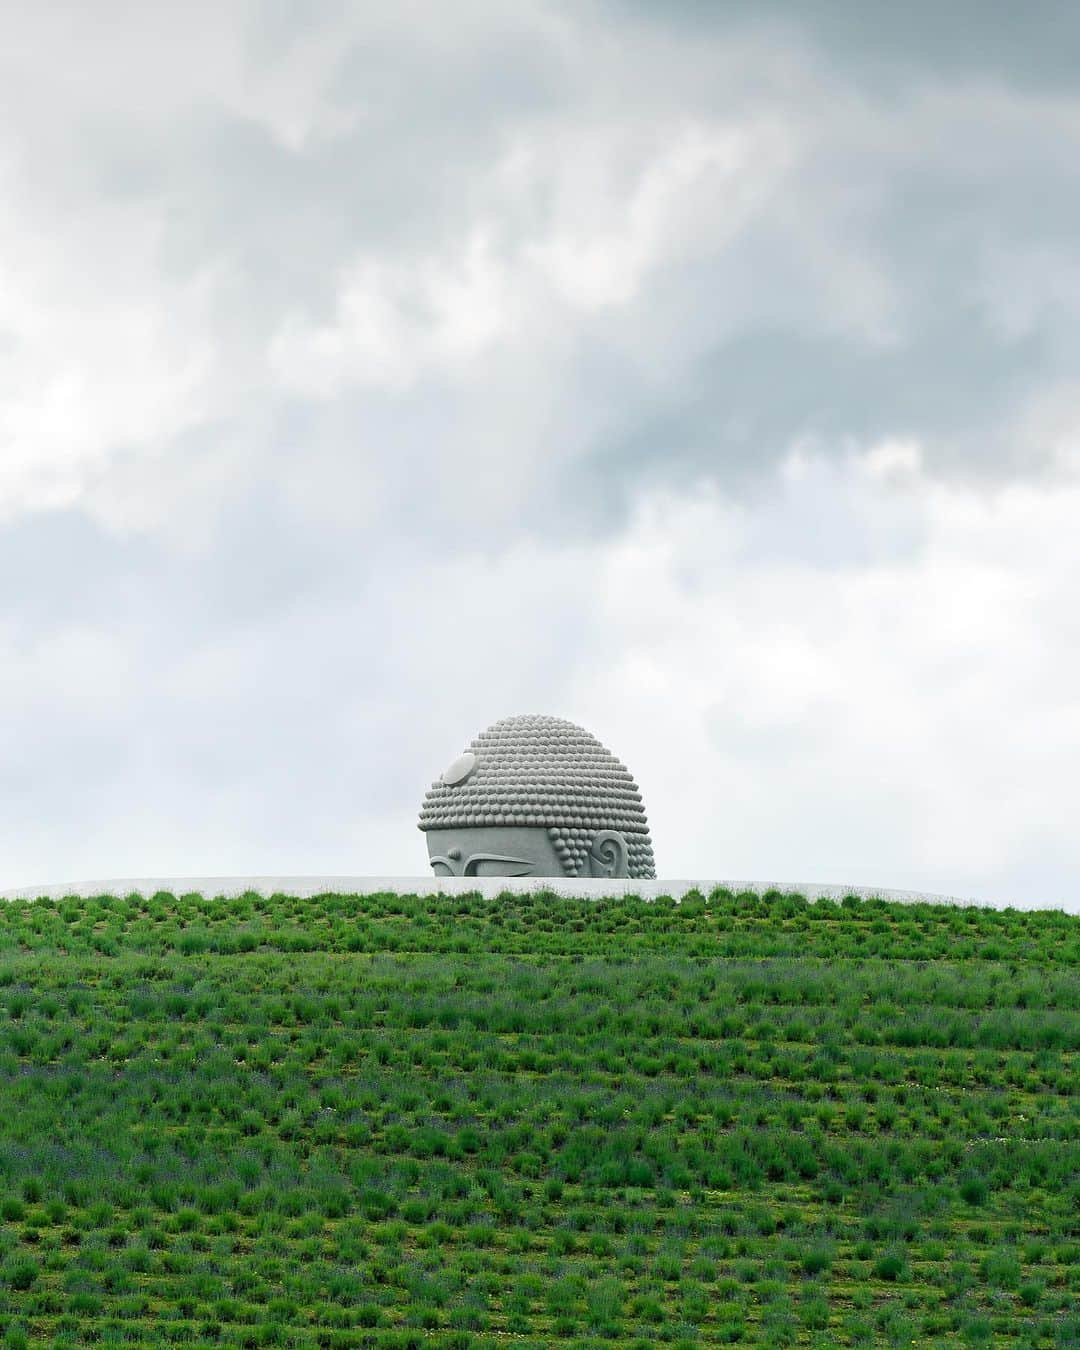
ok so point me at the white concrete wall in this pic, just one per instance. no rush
(489, 886)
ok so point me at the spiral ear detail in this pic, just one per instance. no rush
(608, 854)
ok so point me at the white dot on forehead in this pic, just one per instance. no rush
(460, 769)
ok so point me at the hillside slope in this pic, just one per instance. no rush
(457, 1121)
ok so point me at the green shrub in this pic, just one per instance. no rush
(817, 1260)
(889, 1267)
(20, 1274)
(1001, 1268)
(974, 1190)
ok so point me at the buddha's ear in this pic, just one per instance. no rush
(608, 855)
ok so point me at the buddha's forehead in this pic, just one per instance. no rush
(520, 840)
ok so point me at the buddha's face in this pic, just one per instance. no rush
(517, 851)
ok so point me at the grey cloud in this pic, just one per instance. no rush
(917, 188)
(752, 396)
(1030, 47)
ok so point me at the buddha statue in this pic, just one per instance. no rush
(536, 796)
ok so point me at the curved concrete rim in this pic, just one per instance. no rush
(306, 886)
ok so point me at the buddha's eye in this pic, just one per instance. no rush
(496, 865)
(490, 867)
(440, 868)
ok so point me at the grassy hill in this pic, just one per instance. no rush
(449, 1121)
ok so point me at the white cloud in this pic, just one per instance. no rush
(695, 182)
(909, 722)
(101, 354)
(396, 322)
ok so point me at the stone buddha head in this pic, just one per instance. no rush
(536, 796)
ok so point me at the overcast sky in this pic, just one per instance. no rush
(705, 374)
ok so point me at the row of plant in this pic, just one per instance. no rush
(723, 924)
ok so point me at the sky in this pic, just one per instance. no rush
(705, 374)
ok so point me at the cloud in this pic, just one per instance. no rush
(213, 219)
(365, 376)
(901, 712)
(917, 708)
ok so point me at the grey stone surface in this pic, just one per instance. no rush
(537, 796)
(589, 888)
